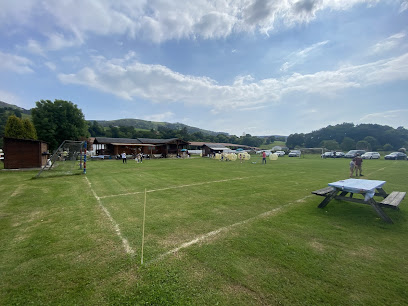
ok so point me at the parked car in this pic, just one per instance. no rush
(396, 155)
(294, 153)
(353, 153)
(332, 155)
(371, 155)
(340, 154)
(1, 154)
(327, 155)
(280, 153)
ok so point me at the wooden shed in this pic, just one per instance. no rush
(24, 153)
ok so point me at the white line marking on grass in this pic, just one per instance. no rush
(381, 169)
(125, 243)
(225, 229)
(175, 187)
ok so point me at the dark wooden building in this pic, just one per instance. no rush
(210, 149)
(24, 153)
(147, 146)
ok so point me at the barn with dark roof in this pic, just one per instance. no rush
(148, 146)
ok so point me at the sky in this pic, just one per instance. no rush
(237, 66)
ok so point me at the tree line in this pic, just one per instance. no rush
(54, 122)
(162, 132)
(347, 136)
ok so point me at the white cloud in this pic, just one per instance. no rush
(15, 63)
(300, 56)
(128, 79)
(166, 116)
(51, 66)
(159, 21)
(391, 118)
(35, 47)
(404, 6)
(390, 43)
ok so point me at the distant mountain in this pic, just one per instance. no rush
(148, 125)
(6, 105)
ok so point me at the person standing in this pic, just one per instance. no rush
(352, 166)
(358, 161)
(264, 157)
(124, 158)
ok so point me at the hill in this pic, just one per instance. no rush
(12, 106)
(136, 123)
(149, 125)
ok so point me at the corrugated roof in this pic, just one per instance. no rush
(133, 144)
(216, 146)
(130, 141)
(121, 141)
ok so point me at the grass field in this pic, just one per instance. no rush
(216, 233)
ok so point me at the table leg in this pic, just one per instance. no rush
(379, 211)
(381, 192)
(327, 199)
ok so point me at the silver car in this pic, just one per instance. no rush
(371, 155)
(294, 153)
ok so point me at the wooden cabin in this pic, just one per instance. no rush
(24, 153)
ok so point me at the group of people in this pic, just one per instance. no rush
(138, 158)
(356, 165)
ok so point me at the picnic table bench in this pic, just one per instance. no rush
(367, 188)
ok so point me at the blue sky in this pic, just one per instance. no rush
(244, 66)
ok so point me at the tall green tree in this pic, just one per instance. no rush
(330, 144)
(14, 127)
(58, 121)
(348, 144)
(29, 129)
(372, 141)
(295, 140)
(363, 145)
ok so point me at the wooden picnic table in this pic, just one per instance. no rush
(346, 189)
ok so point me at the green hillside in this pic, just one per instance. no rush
(149, 125)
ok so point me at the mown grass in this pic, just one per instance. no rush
(58, 246)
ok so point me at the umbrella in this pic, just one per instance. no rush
(183, 150)
(239, 149)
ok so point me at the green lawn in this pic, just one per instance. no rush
(216, 233)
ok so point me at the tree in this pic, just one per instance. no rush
(330, 144)
(372, 141)
(388, 147)
(29, 131)
(348, 144)
(96, 130)
(58, 121)
(363, 145)
(14, 127)
(295, 140)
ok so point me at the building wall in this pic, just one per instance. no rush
(21, 153)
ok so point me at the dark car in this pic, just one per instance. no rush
(353, 153)
(396, 155)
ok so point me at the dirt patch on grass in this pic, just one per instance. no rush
(317, 246)
(365, 252)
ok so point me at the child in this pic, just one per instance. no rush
(352, 166)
